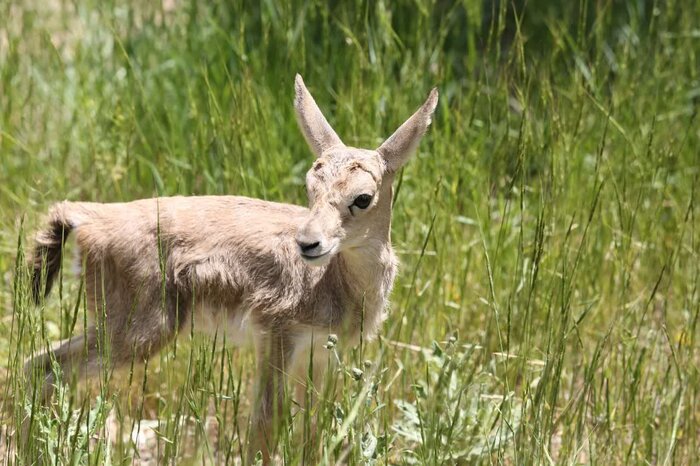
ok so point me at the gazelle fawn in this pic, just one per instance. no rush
(281, 275)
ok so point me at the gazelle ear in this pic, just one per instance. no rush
(403, 142)
(313, 124)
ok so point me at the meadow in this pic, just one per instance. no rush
(547, 305)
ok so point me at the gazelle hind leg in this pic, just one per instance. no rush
(77, 356)
(119, 339)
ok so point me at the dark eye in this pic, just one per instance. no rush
(362, 201)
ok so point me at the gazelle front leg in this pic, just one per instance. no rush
(274, 351)
(310, 386)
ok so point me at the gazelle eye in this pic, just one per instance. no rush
(362, 201)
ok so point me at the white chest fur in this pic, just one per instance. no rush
(228, 326)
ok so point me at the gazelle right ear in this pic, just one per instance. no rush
(313, 124)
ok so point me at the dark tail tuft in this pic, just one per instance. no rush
(48, 252)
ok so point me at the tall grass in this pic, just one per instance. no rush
(547, 307)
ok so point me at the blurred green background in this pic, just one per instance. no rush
(547, 305)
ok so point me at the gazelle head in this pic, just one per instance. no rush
(349, 189)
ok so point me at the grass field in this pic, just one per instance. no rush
(547, 307)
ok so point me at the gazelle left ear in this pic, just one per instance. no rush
(400, 145)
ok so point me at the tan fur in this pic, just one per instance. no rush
(153, 266)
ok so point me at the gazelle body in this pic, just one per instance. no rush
(276, 272)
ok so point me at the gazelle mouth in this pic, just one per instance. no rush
(311, 258)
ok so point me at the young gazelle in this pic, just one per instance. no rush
(286, 276)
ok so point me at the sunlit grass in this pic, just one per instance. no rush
(547, 306)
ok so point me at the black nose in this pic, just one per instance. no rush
(305, 247)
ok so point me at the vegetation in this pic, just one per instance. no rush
(548, 301)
